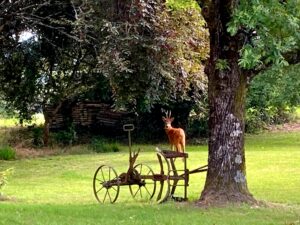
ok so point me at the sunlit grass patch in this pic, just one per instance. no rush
(37, 119)
(8, 122)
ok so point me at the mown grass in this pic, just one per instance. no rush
(58, 189)
(140, 214)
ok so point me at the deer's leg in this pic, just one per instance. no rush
(183, 144)
(172, 147)
(182, 147)
(178, 147)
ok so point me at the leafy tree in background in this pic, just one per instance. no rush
(124, 42)
(246, 37)
(51, 67)
(272, 98)
(147, 63)
(152, 56)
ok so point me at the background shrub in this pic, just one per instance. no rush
(37, 135)
(197, 126)
(272, 98)
(102, 145)
(7, 153)
(66, 137)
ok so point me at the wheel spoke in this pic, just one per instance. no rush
(99, 189)
(113, 188)
(137, 191)
(109, 195)
(109, 174)
(102, 175)
(141, 169)
(101, 181)
(147, 190)
(105, 195)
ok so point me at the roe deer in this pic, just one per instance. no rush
(176, 135)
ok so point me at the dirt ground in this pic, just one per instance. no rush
(288, 127)
(22, 152)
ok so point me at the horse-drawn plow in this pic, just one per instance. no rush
(143, 182)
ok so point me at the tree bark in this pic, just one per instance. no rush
(46, 130)
(227, 85)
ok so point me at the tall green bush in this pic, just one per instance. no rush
(7, 153)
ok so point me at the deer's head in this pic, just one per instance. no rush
(168, 120)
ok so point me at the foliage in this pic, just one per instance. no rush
(188, 40)
(272, 97)
(222, 64)
(37, 134)
(271, 41)
(4, 111)
(255, 122)
(7, 153)
(66, 137)
(58, 62)
(147, 63)
(49, 67)
(197, 126)
(155, 61)
(101, 145)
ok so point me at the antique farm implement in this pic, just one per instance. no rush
(142, 181)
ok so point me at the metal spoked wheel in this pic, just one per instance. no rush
(146, 185)
(164, 181)
(106, 184)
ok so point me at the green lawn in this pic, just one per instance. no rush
(58, 189)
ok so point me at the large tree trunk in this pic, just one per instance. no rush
(226, 177)
(46, 130)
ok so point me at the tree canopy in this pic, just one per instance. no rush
(75, 44)
(272, 30)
